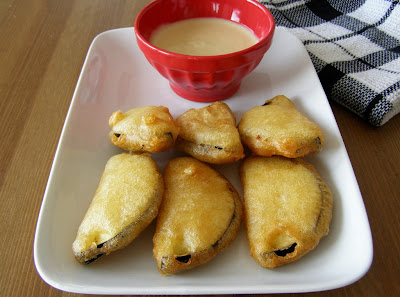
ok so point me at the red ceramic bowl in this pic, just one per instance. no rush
(205, 78)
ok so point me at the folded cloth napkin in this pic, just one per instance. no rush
(355, 48)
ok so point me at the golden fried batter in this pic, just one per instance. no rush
(200, 215)
(126, 201)
(278, 128)
(145, 129)
(288, 208)
(210, 134)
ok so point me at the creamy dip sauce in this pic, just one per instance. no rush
(203, 37)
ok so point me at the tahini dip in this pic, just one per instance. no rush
(203, 37)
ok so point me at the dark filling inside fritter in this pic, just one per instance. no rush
(284, 252)
(183, 259)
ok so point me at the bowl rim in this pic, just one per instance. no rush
(260, 44)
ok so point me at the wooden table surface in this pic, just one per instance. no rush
(43, 44)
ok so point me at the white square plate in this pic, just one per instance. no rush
(116, 76)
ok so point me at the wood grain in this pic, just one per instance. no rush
(43, 44)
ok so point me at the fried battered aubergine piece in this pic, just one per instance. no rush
(144, 129)
(209, 134)
(200, 216)
(288, 208)
(127, 199)
(278, 128)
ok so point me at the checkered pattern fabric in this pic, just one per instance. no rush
(355, 48)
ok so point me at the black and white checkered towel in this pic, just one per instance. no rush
(355, 48)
